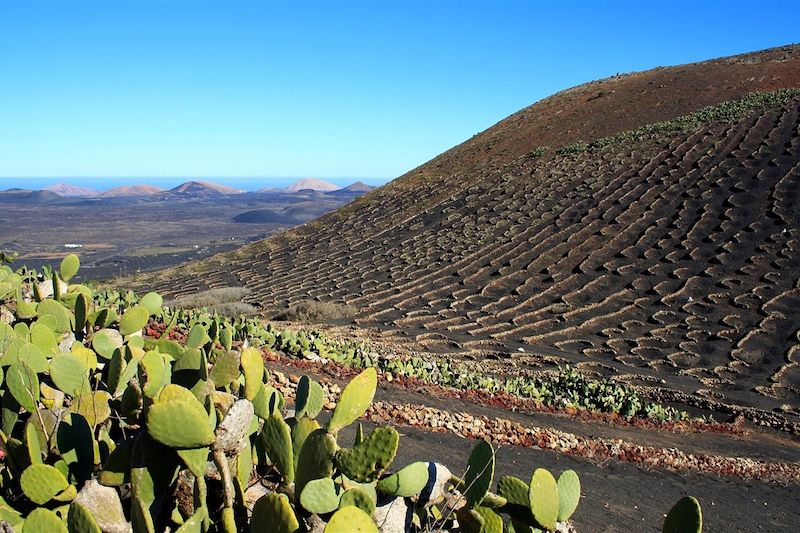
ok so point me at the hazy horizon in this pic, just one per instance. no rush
(169, 182)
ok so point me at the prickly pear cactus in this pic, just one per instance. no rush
(354, 401)
(686, 516)
(408, 481)
(480, 473)
(569, 494)
(543, 498)
(367, 461)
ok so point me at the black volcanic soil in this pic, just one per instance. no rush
(617, 496)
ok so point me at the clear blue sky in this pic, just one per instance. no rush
(247, 90)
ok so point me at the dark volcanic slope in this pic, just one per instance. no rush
(675, 256)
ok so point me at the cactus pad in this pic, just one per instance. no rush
(69, 267)
(106, 341)
(133, 320)
(93, 406)
(569, 494)
(226, 369)
(23, 384)
(406, 482)
(320, 496)
(277, 440)
(350, 520)
(367, 461)
(179, 424)
(272, 512)
(253, 368)
(41, 483)
(300, 431)
(358, 497)
(42, 520)
(543, 498)
(355, 400)
(152, 301)
(686, 516)
(69, 374)
(316, 458)
(480, 473)
(310, 398)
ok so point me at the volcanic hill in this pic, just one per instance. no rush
(621, 226)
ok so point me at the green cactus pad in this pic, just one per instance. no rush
(350, 520)
(277, 440)
(226, 369)
(69, 267)
(141, 518)
(354, 401)
(195, 459)
(117, 467)
(93, 406)
(80, 520)
(198, 337)
(43, 338)
(252, 362)
(175, 392)
(320, 496)
(316, 458)
(543, 498)
(33, 442)
(514, 490)
(23, 384)
(479, 520)
(63, 318)
(310, 398)
(569, 494)
(367, 461)
(408, 481)
(41, 483)
(194, 524)
(152, 301)
(153, 468)
(480, 473)
(133, 320)
(69, 375)
(268, 400)
(273, 512)
(179, 424)
(75, 443)
(358, 497)
(686, 516)
(106, 341)
(42, 520)
(300, 431)
(153, 370)
(81, 311)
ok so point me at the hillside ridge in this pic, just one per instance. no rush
(664, 256)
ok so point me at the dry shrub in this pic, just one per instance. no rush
(223, 300)
(316, 312)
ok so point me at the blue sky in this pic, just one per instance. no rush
(256, 93)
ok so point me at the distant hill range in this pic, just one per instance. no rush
(313, 184)
(187, 190)
(126, 191)
(27, 196)
(66, 190)
(644, 226)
